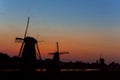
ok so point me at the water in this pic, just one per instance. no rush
(44, 70)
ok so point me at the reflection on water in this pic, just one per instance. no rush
(40, 70)
(62, 70)
(44, 70)
(9, 70)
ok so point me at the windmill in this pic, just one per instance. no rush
(29, 48)
(56, 56)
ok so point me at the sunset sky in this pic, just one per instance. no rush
(84, 28)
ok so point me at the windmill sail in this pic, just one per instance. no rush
(39, 56)
(27, 27)
(20, 52)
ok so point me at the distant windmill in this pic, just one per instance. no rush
(56, 57)
(29, 48)
(101, 59)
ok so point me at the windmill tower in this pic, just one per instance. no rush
(56, 56)
(29, 48)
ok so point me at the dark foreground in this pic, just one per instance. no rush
(68, 75)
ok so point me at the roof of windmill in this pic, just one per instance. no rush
(30, 40)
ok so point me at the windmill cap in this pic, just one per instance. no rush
(30, 40)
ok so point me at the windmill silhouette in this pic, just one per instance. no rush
(29, 48)
(56, 56)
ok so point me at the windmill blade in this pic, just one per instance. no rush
(41, 41)
(20, 52)
(18, 39)
(27, 27)
(51, 53)
(57, 45)
(39, 55)
(64, 52)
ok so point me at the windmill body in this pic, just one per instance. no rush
(56, 57)
(29, 52)
(56, 60)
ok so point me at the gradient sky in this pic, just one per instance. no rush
(85, 28)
